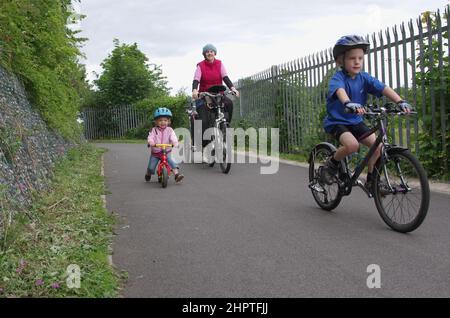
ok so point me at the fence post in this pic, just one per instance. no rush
(441, 90)
(432, 83)
(274, 81)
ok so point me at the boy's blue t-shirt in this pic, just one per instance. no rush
(356, 89)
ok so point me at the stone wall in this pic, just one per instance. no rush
(28, 149)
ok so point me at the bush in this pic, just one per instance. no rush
(177, 104)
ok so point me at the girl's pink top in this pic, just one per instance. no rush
(161, 136)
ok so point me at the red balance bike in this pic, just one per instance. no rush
(163, 170)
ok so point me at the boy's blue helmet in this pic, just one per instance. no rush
(162, 112)
(349, 42)
(209, 47)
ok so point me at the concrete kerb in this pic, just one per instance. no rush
(435, 186)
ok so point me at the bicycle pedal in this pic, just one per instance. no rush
(317, 187)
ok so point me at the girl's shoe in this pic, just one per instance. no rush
(178, 177)
(147, 177)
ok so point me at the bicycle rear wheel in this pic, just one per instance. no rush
(327, 196)
(404, 204)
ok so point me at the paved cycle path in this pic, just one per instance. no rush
(252, 235)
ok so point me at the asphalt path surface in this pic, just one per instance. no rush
(246, 234)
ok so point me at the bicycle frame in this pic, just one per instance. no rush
(219, 120)
(220, 117)
(163, 163)
(352, 179)
(218, 108)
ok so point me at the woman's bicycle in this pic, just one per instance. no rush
(400, 188)
(214, 101)
(163, 169)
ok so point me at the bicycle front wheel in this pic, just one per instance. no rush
(164, 177)
(225, 163)
(401, 192)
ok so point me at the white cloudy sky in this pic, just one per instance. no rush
(250, 35)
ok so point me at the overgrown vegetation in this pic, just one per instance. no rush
(38, 45)
(66, 225)
(434, 139)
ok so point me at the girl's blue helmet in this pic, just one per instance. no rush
(162, 112)
(349, 42)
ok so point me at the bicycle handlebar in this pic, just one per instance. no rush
(379, 113)
(163, 146)
(375, 110)
(203, 94)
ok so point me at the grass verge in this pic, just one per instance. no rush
(66, 225)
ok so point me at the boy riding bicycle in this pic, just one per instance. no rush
(348, 89)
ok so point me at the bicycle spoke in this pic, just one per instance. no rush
(401, 205)
(412, 203)
(403, 209)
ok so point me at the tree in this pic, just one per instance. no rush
(127, 77)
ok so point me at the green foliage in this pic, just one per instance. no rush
(127, 78)
(140, 132)
(37, 45)
(177, 104)
(242, 123)
(433, 155)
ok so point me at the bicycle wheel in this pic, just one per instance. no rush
(212, 120)
(212, 158)
(404, 205)
(327, 196)
(164, 177)
(212, 155)
(191, 130)
(225, 164)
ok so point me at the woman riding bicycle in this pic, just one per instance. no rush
(210, 72)
(348, 88)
